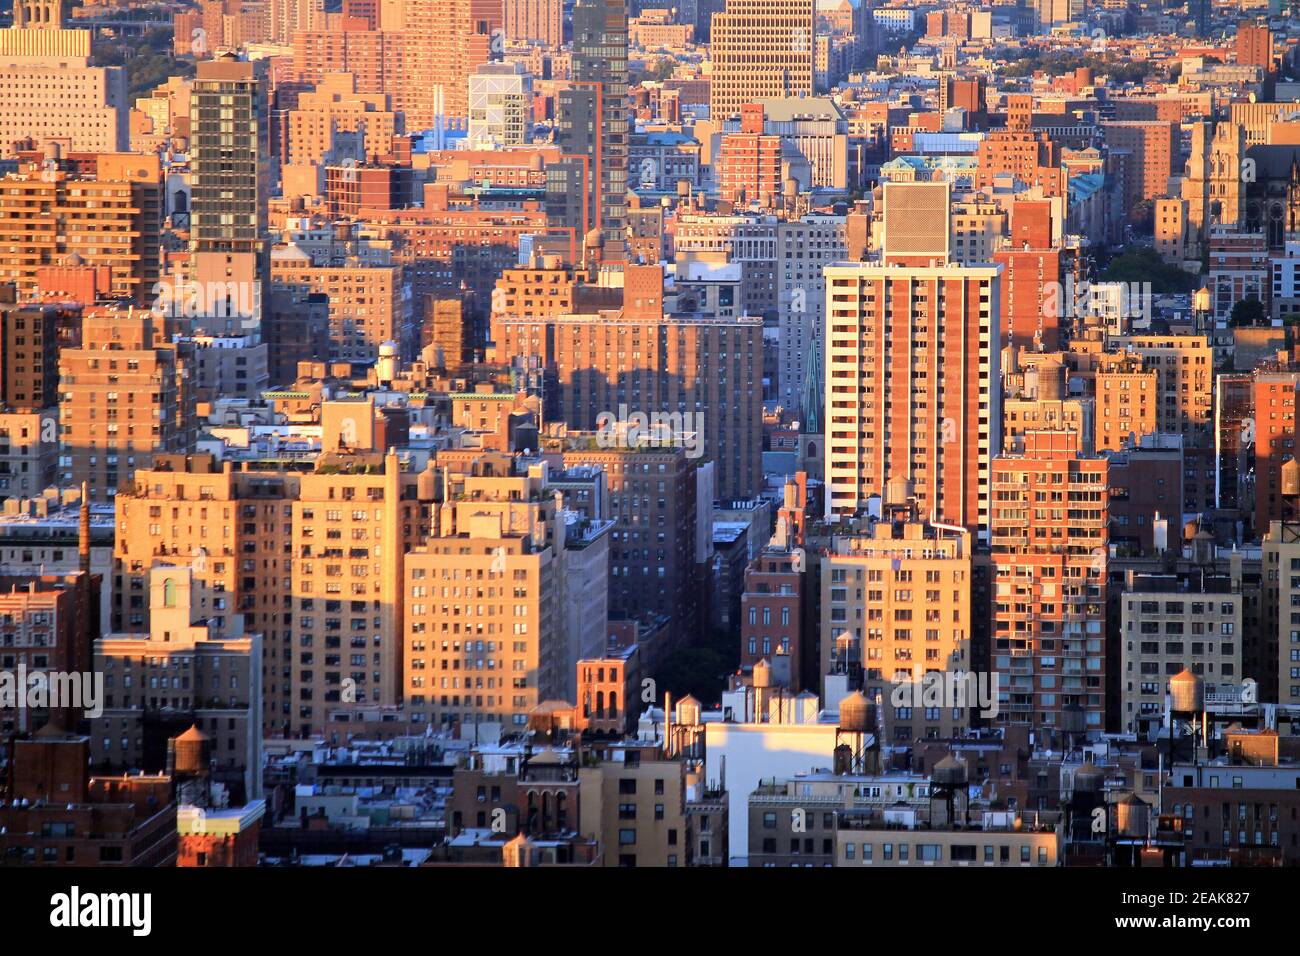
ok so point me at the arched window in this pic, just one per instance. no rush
(169, 593)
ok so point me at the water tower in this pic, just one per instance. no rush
(855, 737)
(189, 764)
(1187, 704)
(948, 782)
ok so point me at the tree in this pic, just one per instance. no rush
(1145, 265)
(1247, 312)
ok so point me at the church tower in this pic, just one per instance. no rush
(38, 14)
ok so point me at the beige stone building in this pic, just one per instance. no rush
(335, 107)
(484, 638)
(51, 91)
(369, 304)
(634, 802)
(311, 559)
(898, 838)
(180, 672)
(1170, 623)
(29, 452)
(896, 605)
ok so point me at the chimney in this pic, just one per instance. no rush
(83, 530)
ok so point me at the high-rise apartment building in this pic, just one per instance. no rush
(369, 304)
(442, 43)
(29, 354)
(1049, 537)
(229, 157)
(912, 387)
(123, 399)
(804, 247)
(760, 50)
(651, 494)
(1170, 623)
(483, 632)
(535, 21)
(706, 371)
(335, 122)
(1255, 45)
(117, 209)
(1184, 367)
(896, 605)
(312, 560)
(286, 17)
(593, 126)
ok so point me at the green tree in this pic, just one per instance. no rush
(1247, 312)
(1145, 265)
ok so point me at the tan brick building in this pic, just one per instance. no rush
(124, 398)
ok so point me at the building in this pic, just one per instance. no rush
(897, 606)
(120, 205)
(1049, 535)
(1255, 46)
(1150, 150)
(229, 157)
(95, 820)
(760, 50)
(908, 837)
(652, 499)
(772, 610)
(238, 527)
(334, 122)
(703, 373)
(500, 106)
(634, 800)
(52, 92)
(912, 386)
(1171, 623)
(493, 660)
(29, 354)
(593, 123)
(178, 675)
(539, 22)
(124, 398)
(370, 303)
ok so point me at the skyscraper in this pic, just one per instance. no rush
(229, 156)
(593, 127)
(1050, 533)
(912, 386)
(761, 49)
